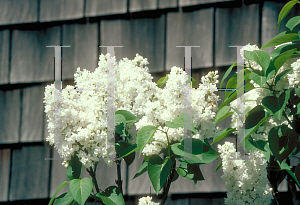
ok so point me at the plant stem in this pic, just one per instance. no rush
(275, 192)
(170, 178)
(97, 199)
(118, 163)
(167, 188)
(119, 181)
(92, 174)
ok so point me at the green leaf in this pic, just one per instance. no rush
(297, 172)
(158, 171)
(275, 137)
(120, 121)
(180, 121)
(259, 144)
(260, 57)
(275, 105)
(284, 48)
(59, 188)
(298, 109)
(128, 151)
(208, 155)
(283, 165)
(194, 83)
(74, 168)
(258, 77)
(233, 84)
(190, 171)
(222, 114)
(162, 81)
(227, 73)
(64, 199)
(144, 136)
(111, 196)
(280, 39)
(282, 74)
(120, 147)
(130, 118)
(193, 152)
(293, 22)
(80, 189)
(279, 60)
(233, 96)
(285, 11)
(141, 170)
(255, 118)
(219, 166)
(222, 134)
(294, 177)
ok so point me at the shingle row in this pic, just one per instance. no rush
(32, 11)
(27, 59)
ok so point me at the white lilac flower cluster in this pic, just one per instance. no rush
(147, 201)
(255, 96)
(170, 103)
(83, 122)
(245, 180)
(83, 112)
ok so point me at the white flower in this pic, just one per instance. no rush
(170, 103)
(245, 180)
(147, 201)
(81, 128)
(255, 96)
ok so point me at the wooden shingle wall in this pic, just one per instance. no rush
(152, 28)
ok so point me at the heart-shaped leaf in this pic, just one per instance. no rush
(130, 118)
(273, 139)
(189, 148)
(80, 189)
(222, 134)
(128, 151)
(260, 57)
(111, 196)
(190, 171)
(259, 144)
(275, 105)
(120, 121)
(258, 77)
(287, 143)
(279, 60)
(64, 199)
(158, 171)
(255, 118)
(120, 147)
(74, 168)
(141, 170)
(282, 74)
(144, 136)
